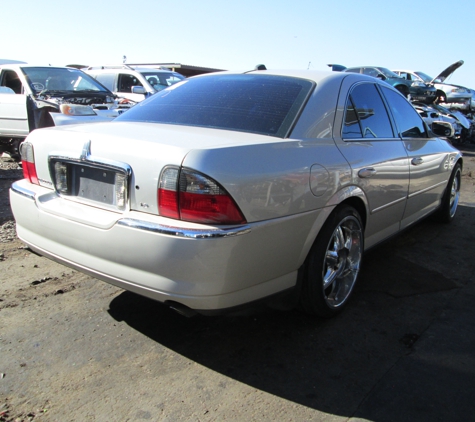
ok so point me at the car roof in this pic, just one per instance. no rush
(405, 70)
(320, 77)
(19, 66)
(125, 68)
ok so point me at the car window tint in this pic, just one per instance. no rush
(408, 121)
(106, 79)
(126, 82)
(11, 80)
(264, 104)
(366, 115)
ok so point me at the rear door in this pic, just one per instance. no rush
(378, 158)
(13, 105)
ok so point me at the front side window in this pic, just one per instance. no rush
(126, 82)
(366, 115)
(11, 80)
(408, 120)
(371, 72)
(257, 103)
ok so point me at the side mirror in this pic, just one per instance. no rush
(137, 89)
(444, 129)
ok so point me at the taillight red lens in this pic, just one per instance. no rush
(188, 195)
(214, 209)
(168, 203)
(28, 163)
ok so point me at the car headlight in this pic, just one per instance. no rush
(459, 90)
(76, 110)
(418, 83)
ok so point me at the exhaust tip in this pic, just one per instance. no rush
(181, 309)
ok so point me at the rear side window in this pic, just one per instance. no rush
(106, 79)
(408, 121)
(366, 115)
(263, 104)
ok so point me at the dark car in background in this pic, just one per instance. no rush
(416, 90)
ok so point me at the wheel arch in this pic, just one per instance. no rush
(351, 195)
(403, 89)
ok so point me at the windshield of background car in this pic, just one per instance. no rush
(388, 73)
(423, 76)
(60, 79)
(263, 104)
(162, 80)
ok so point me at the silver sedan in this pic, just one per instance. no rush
(231, 189)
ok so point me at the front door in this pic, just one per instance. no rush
(13, 106)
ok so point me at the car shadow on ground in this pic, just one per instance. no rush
(370, 361)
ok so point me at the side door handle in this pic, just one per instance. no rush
(367, 172)
(417, 161)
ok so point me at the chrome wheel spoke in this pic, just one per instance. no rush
(342, 261)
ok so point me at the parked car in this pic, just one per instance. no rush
(133, 82)
(241, 187)
(446, 93)
(414, 90)
(33, 97)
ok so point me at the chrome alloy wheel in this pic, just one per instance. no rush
(342, 261)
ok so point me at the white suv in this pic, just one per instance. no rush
(133, 82)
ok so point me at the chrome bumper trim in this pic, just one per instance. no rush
(15, 187)
(182, 232)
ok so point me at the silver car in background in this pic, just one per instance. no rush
(241, 188)
(447, 93)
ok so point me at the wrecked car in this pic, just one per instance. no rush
(33, 97)
(413, 90)
(457, 95)
(133, 82)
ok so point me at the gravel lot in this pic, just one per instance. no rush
(76, 349)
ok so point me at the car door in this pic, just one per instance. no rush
(124, 87)
(429, 161)
(13, 105)
(377, 157)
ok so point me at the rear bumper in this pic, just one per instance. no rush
(202, 268)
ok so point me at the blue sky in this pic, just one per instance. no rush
(228, 34)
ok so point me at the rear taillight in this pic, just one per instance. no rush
(188, 195)
(28, 162)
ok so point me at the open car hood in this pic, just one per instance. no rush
(447, 72)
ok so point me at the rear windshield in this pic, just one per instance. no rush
(263, 104)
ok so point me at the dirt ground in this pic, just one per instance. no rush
(76, 349)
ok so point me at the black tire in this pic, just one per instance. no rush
(450, 200)
(332, 265)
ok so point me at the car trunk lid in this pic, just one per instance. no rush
(98, 156)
